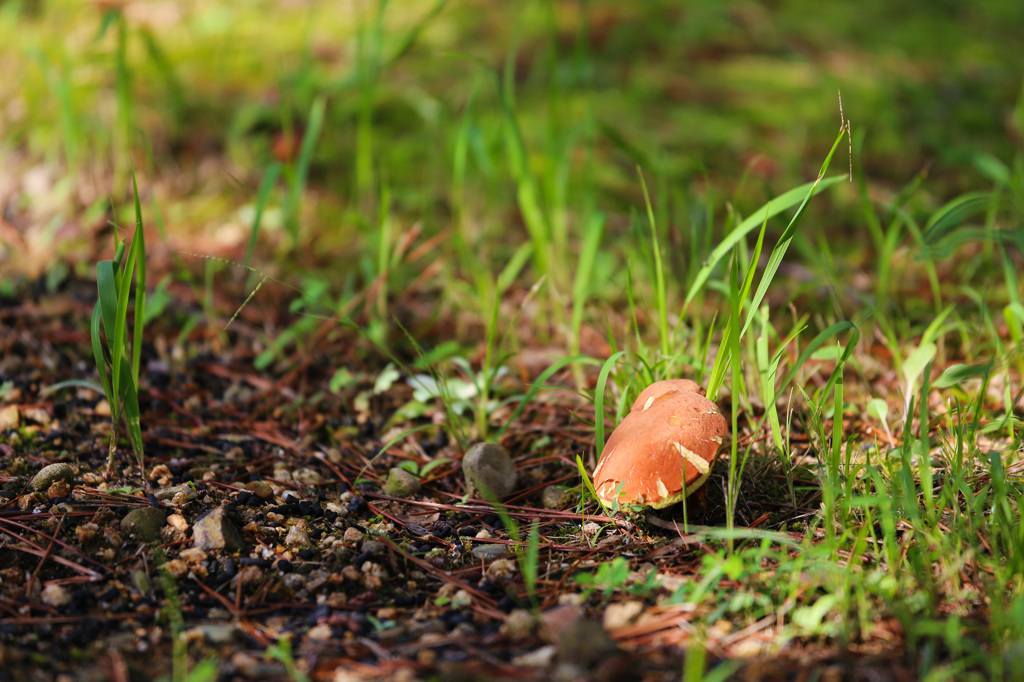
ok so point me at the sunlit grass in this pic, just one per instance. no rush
(873, 374)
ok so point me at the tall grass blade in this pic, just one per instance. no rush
(771, 209)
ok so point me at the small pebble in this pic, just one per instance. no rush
(487, 552)
(519, 624)
(10, 417)
(373, 547)
(215, 531)
(56, 596)
(144, 523)
(260, 489)
(178, 522)
(401, 483)
(488, 465)
(49, 475)
(179, 494)
(58, 489)
(296, 537)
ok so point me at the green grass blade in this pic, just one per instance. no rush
(602, 380)
(814, 345)
(97, 352)
(139, 243)
(659, 275)
(769, 210)
(262, 194)
(588, 484)
(106, 285)
(298, 184)
(538, 385)
(779, 252)
(117, 349)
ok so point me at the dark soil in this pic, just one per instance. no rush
(362, 585)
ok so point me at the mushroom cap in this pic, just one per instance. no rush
(664, 386)
(663, 449)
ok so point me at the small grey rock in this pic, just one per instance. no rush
(373, 547)
(584, 643)
(557, 497)
(216, 633)
(49, 475)
(260, 489)
(215, 531)
(187, 492)
(519, 624)
(307, 476)
(144, 523)
(296, 537)
(489, 552)
(489, 466)
(401, 483)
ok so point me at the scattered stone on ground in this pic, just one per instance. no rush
(501, 570)
(36, 414)
(102, 408)
(260, 489)
(215, 531)
(554, 620)
(48, 475)
(55, 596)
(487, 552)
(178, 522)
(307, 477)
(10, 417)
(584, 643)
(214, 633)
(297, 537)
(621, 614)
(401, 483)
(489, 466)
(179, 494)
(519, 624)
(557, 497)
(144, 523)
(542, 657)
(58, 489)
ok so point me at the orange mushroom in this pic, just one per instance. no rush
(663, 449)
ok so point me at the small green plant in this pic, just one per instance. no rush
(121, 352)
(614, 576)
(421, 471)
(282, 652)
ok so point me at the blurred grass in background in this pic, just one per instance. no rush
(353, 133)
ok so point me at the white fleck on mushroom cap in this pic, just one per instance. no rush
(663, 449)
(659, 388)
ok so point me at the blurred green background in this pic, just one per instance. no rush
(430, 119)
